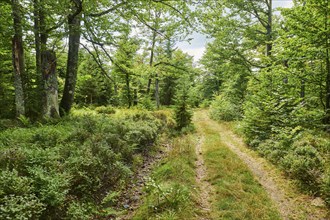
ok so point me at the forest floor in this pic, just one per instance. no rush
(225, 180)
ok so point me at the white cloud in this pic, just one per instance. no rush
(195, 47)
(197, 53)
(283, 3)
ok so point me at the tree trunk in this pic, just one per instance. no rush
(18, 59)
(72, 62)
(129, 98)
(269, 30)
(37, 41)
(154, 34)
(327, 98)
(327, 60)
(135, 99)
(157, 91)
(50, 105)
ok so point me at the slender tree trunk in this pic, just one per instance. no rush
(327, 45)
(154, 34)
(327, 98)
(72, 63)
(37, 41)
(135, 99)
(18, 59)
(269, 29)
(129, 98)
(157, 91)
(50, 106)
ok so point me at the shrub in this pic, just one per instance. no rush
(17, 200)
(63, 170)
(273, 150)
(105, 110)
(223, 109)
(20, 207)
(147, 103)
(305, 164)
(325, 188)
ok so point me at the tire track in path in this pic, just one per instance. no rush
(203, 185)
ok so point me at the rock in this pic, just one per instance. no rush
(318, 202)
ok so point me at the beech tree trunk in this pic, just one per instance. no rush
(18, 59)
(72, 63)
(50, 105)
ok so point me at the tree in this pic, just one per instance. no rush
(18, 58)
(308, 23)
(74, 22)
(123, 63)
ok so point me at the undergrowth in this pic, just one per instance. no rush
(70, 168)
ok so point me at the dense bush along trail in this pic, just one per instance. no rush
(234, 194)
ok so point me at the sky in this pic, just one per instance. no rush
(196, 47)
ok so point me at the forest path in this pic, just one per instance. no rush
(246, 195)
(204, 186)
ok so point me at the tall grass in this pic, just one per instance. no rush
(171, 190)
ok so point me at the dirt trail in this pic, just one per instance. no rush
(291, 205)
(204, 186)
(133, 196)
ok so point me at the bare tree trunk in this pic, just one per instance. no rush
(74, 20)
(50, 107)
(18, 59)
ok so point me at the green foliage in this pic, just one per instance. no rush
(17, 200)
(20, 207)
(182, 113)
(222, 109)
(167, 197)
(147, 103)
(80, 211)
(105, 110)
(303, 154)
(305, 164)
(325, 188)
(65, 170)
(170, 191)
